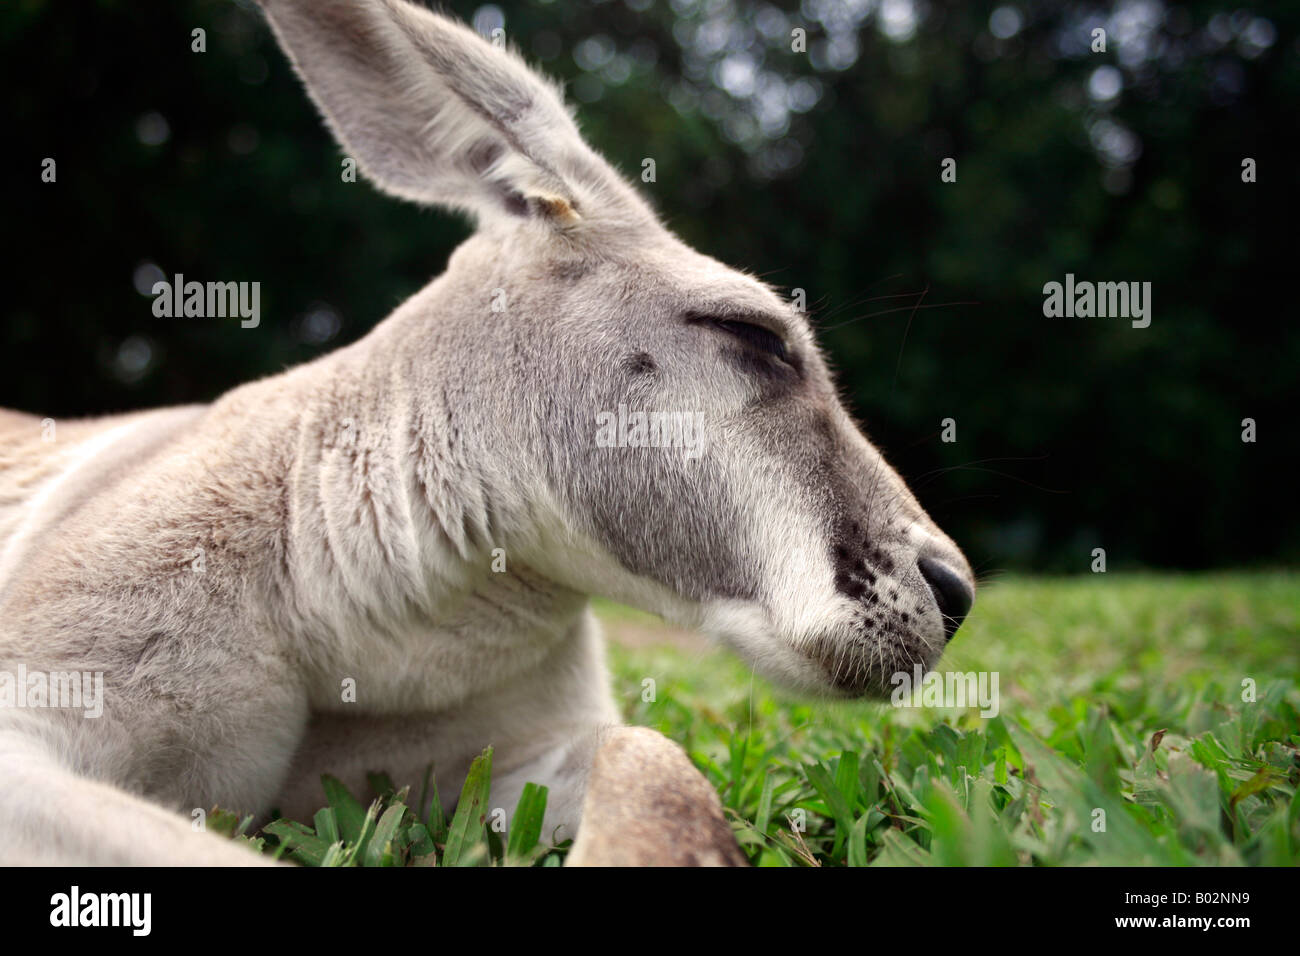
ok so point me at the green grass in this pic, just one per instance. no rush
(1124, 737)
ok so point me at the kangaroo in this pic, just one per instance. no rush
(421, 516)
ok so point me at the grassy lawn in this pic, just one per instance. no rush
(1122, 738)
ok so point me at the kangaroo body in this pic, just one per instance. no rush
(230, 567)
(382, 559)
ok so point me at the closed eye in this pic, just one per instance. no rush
(757, 337)
(760, 338)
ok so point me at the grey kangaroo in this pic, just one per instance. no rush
(422, 516)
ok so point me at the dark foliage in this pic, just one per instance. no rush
(819, 171)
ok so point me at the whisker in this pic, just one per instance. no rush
(906, 329)
(901, 308)
(855, 302)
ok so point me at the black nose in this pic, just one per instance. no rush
(953, 595)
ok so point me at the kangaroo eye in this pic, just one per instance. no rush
(765, 340)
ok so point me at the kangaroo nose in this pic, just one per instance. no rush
(953, 595)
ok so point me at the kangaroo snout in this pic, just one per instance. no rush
(905, 588)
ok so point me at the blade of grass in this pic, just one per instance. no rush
(763, 819)
(381, 784)
(327, 827)
(347, 809)
(466, 829)
(839, 808)
(434, 818)
(356, 852)
(299, 841)
(379, 851)
(526, 824)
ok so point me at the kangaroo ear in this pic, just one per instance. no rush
(433, 112)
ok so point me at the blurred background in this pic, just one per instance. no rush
(817, 170)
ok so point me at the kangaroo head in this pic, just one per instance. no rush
(648, 423)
